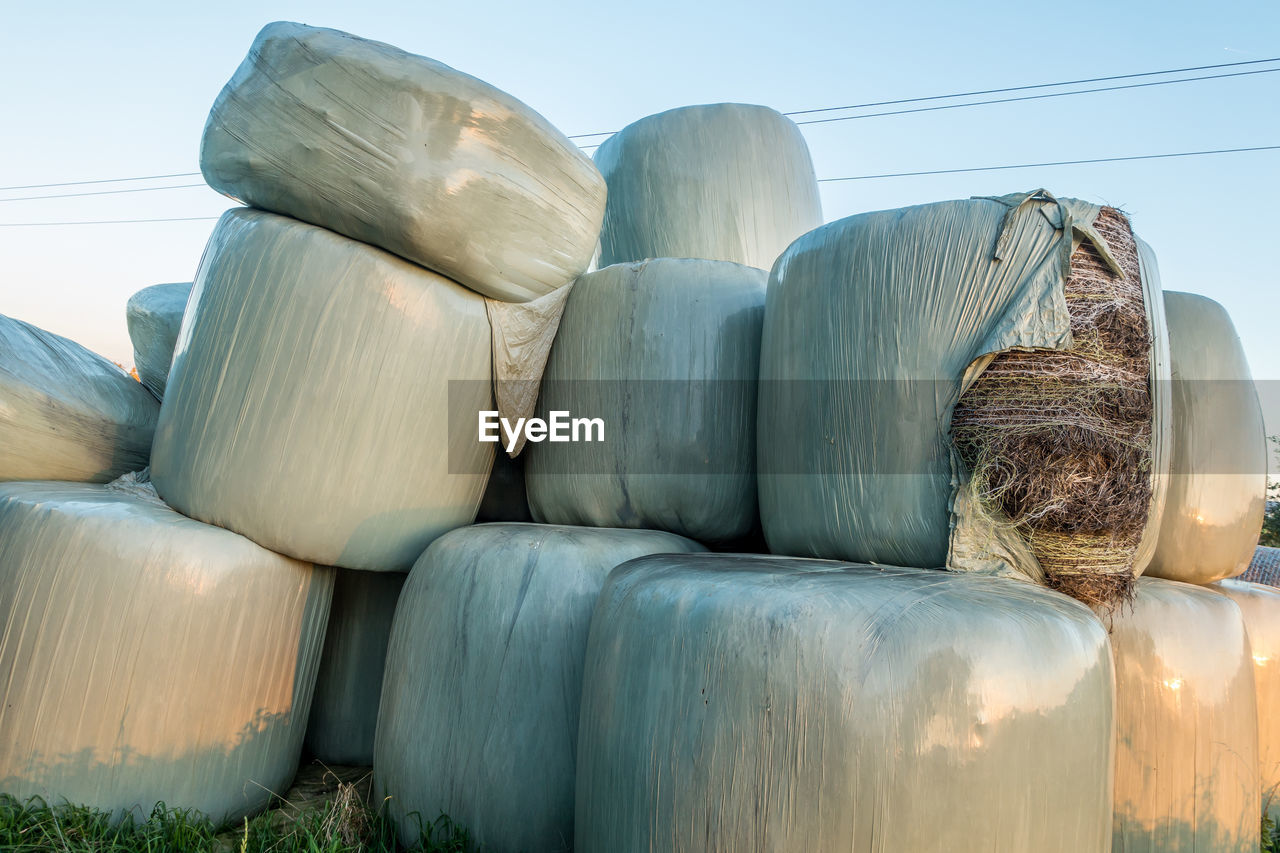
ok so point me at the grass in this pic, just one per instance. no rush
(342, 824)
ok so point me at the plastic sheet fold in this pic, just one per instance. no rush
(408, 154)
(67, 413)
(344, 712)
(725, 182)
(666, 353)
(154, 317)
(479, 715)
(1218, 485)
(765, 703)
(855, 455)
(1260, 607)
(147, 657)
(308, 406)
(1186, 723)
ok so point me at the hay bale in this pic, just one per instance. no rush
(1186, 723)
(154, 317)
(877, 325)
(479, 714)
(1059, 442)
(148, 657)
(767, 703)
(666, 354)
(309, 403)
(725, 182)
(1260, 607)
(1218, 484)
(344, 712)
(67, 413)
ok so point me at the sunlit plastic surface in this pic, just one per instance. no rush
(67, 413)
(764, 703)
(1187, 727)
(479, 715)
(1260, 607)
(308, 404)
(873, 326)
(726, 182)
(408, 154)
(147, 657)
(1218, 488)
(344, 713)
(154, 316)
(666, 353)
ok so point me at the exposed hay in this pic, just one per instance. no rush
(1059, 442)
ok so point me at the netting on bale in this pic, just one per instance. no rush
(1060, 441)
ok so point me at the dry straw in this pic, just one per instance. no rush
(1059, 441)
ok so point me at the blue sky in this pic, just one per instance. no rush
(101, 91)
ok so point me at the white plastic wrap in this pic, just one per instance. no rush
(146, 657)
(1186, 723)
(154, 316)
(479, 715)
(666, 353)
(1218, 486)
(407, 154)
(67, 413)
(344, 712)
(735, 703)
(309, 401)
(726, 182)
(1260, 607)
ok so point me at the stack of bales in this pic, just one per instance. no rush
(307, 410)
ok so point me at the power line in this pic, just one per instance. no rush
(1038, 97)
(100, 181)
(107, 222)
(1006, 89)
(104, 192)
(1053, 163)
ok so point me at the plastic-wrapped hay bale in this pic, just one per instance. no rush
(407, 154)
(149, 657)
(1040, 317)
(1260, 607)
(309, 401)
(727, 182)
(666, 354)
(768, 703)
(1218, 484)
(1186, 723)
(67, 413)
(479, 715)
(154, 316)
(344, 713)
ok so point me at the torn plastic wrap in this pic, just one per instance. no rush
(309, 403)
(1186, 723)
(1218, 485)
(407, 154)
(344, 712)
(766, 703)
(154, 316)
(665, 353)
(479, 716)
(726, 182)
(148, 657)
(855, 456)
(1260, 607)
(67, 413)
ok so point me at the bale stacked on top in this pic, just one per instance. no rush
(1060, 440)
(877, 324)
(67, 413)
(154, 317)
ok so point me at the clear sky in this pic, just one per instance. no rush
(111, 90)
